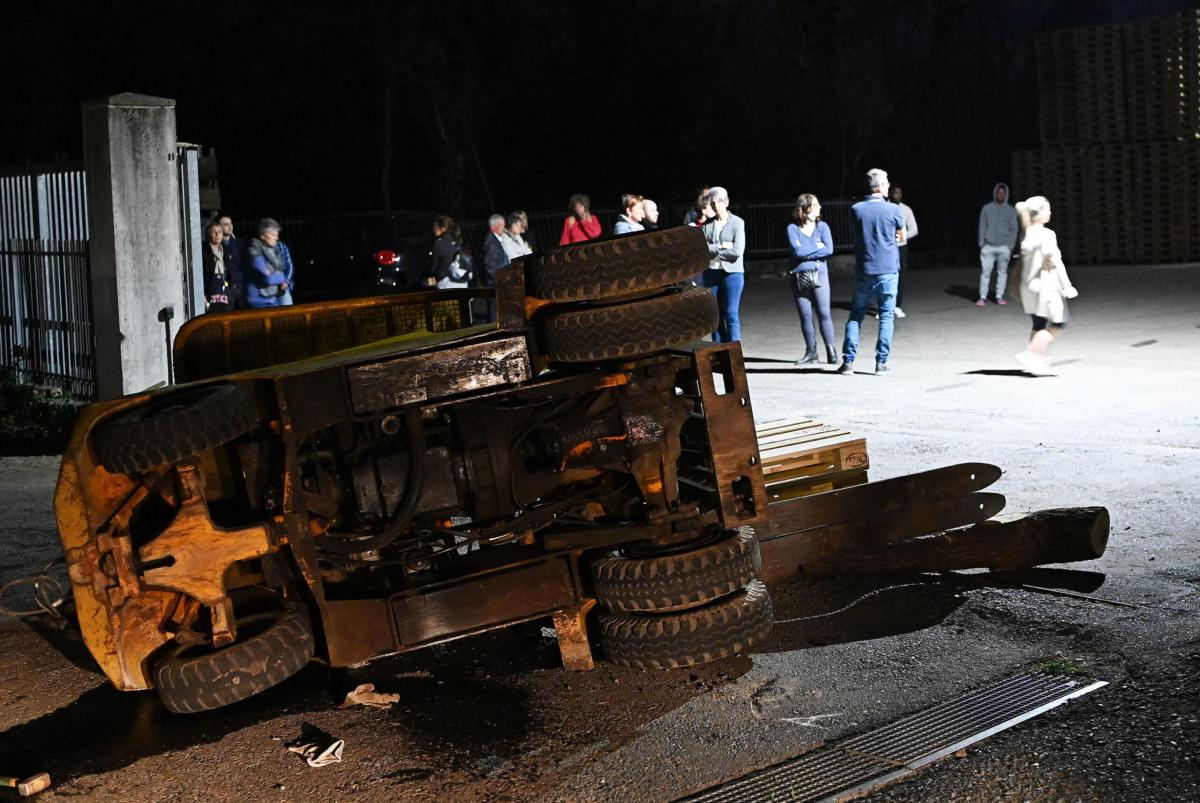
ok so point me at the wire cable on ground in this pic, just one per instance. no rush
(48, 595)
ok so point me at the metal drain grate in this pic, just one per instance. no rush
(854, 766)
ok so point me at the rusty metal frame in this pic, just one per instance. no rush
(127, 616)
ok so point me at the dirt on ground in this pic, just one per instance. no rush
(496, 717)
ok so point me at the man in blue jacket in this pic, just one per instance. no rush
(878, 234)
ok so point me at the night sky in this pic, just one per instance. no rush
(470, 107)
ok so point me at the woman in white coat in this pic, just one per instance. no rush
(1045, 286)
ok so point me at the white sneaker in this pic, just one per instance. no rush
(1034, 364)
(899, 312)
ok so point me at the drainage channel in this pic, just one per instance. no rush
(855, 766)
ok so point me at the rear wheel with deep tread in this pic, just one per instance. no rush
(188, 684)
(677, 581)
(633, 329)
(608, 268)
(174, 427)
(696, 636)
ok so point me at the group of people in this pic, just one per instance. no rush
(261, 274)
(638, 213)
(883, 226)
(239, 275)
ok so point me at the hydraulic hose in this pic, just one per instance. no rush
(347, 543)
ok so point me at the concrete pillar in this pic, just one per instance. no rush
(129, 150)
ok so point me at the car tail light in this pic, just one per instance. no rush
(386, 258)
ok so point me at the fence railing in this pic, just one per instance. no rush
(46, 334)
(45, 309)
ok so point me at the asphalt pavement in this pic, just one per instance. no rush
(496, 718)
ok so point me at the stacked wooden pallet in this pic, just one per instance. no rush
(1166, 175)
(1086, 185)
(803, 457)
(1162, 60)
(1119, 110)
(1074, 106)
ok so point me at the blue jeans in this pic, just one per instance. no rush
(727, 287)
(881, 290)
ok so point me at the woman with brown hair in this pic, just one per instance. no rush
(811, 244)
(218, 286)
(581, 225)
(449, 267)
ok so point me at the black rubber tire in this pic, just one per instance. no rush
(678, 581)
(174, 427)
(607, 268)
(204, 682)
(696, 636)
(633, 329)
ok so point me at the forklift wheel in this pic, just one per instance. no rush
(174, 427)
(608, 268)
(265, 658)
(633, 329)
(673, 582)
(696, 636)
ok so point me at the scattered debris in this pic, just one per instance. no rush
(365, 694)
(26, 787)
(318, 748)
(318, 757)
(809, 722)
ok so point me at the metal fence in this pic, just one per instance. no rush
(45, 306)
(46, 333)
(46, 323)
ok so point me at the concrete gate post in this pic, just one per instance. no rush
(129, 150)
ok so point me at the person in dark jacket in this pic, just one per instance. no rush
(265, 276)
(235, 256)
(448, 267)
(217, 287)
(289, 273)
(494, 257)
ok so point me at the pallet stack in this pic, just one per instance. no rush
(1119, 109)
(803, 457)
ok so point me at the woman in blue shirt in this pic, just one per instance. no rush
(811, 243)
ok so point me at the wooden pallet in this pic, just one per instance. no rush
(801, 457)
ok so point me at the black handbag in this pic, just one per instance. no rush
(808, 280)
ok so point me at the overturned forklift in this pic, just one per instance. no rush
(349, 480)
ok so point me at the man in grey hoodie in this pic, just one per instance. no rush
(997, 240)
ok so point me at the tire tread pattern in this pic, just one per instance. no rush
(633, 329)
(696, 636)
(628, 264)
(238, 671)
(131, 443)
(678, 581)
